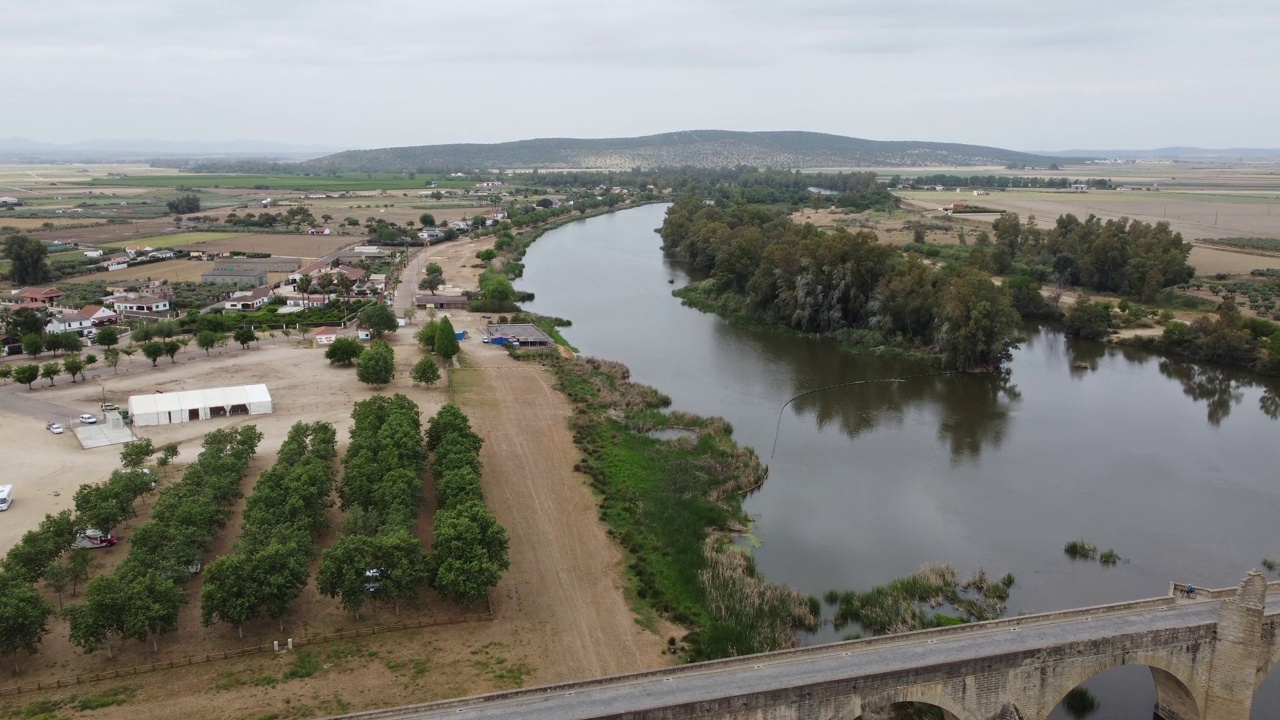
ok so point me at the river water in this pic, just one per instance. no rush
(1172, 464)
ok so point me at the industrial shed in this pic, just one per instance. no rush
(186, 405)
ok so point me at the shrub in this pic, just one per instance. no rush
(1081, 550)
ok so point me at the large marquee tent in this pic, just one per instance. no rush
(163, 408)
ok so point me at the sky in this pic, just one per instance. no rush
(1021, 74)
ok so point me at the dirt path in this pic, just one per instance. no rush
(565, 581)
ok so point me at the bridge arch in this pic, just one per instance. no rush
(1174, 692)
(875, 707)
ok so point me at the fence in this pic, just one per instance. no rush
(241, 652)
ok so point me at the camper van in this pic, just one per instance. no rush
(6, 496)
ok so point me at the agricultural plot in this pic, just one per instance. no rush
(349, 181)
(23, 224)
(172, 241)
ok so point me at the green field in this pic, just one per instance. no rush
(348, 181)
(174, 240)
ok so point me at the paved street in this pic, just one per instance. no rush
(838, 662)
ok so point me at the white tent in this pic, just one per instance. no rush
(176, 407)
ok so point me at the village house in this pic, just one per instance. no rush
(69, 322)
(44, 296)
(249, 299)
(145, 304)
(441, 302)
(256, 278)
(430, 234)
(162, 255)
(138, 249)
(93, 253)
(325, 335)
(100, 315)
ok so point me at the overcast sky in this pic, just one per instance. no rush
(1023, 74)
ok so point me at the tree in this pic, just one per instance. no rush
(26, 374)
(343, 351)
(487, 254)
(206, 340)
(6, 372)
(184, 204)
(49, 371)
(376, 365)
(977, 323)
(449, 419)
(230, 592)
(378, 319)
(342, 571)
(108, 337)
(134, 454)
(70, 342)
(167, 455)
(427, 220)
(183, 341)
(112, 357)
(431, 282)
(469, 553)
(402, 565)
(128, 351)
(457, 486)
(32, 344)
(58, 577)
(28, 260)
(24, 617)
(446, 340)
(425, 372)
(409, 314)
(345, 285)
(433, 269)
(89, 361)
(153, 350)
(78, 562)
(325, 283)
(1089, 319)
(303, 285)
(427, 335)
(497, 287)
(73, 364)
(244, 336)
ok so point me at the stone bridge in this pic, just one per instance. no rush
(1208, 656)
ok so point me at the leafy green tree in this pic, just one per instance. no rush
(1027, 298)
(134, 454)
(905, 301)
(487, 254)
(70, 342)
(469, 554)
(153, 602)
(24, 618)
(78, 562)
(111, 357)
(244, 336)
(433, 269)
(153, 350)
(425, 372)
(446, 339)
(342, 571)
(26, 374)
(73, 364)
(977, 323)
(206, 340)
(171, 348)
(106, 505)
(402, 565)
(497, 287)
(378, 319)
(458, 486)
(427, 335)
(427, 220)
(377, 365)
(448, 420)
(102, 615)
(50, 370)
(1091, 320)
(184, 204)
(344, 351)
(230, 593)
(29, 558)
(58, 577)
(32, 344)
(107, 337)
(431, 282)
(6, 372)
(28, 260)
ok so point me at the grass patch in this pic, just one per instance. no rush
(304, 666)
(1265, 244)
(1081, 550)
(1270, 563)
(38, 710)
(108, 698)
(1109, 557)
(912, 602)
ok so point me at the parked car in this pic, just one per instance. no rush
(92, 538)
(110, 407)
(54, 428)
(372, 580)
(88, 419)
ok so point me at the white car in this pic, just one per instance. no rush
(91, 539)
(54, 428)
(88, 419)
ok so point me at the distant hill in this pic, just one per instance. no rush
(1189, 154)
(698, 148)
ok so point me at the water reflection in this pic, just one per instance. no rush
(1218, 388)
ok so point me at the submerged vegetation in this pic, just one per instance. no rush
(1081, 550)
(912, 602)
(1080, 703)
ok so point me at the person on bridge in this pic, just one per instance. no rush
(1190, 591)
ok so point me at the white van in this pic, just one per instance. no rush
(6, 496)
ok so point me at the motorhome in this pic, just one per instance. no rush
(6, 496)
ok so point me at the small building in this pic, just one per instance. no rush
(93, 253)
(161, 408)
(442, 302)
(10, 201)
(162, 255)
(318, 231)
(100, 315)
(70, 322)
(144, 304)
(248, 300)
(527, 335)
(44, 296)
(255, 278)
(325, 335)
(1080, 187)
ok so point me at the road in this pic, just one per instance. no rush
(409, 279)
(16, 399)
(840, 661)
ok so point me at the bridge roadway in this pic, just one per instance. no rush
(788, 669)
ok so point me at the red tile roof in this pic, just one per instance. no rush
(40, 293)
(325, 331)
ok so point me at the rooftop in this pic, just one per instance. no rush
(522, 332)
(325, 331)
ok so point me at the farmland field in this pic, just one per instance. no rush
(306, 246)
(349, 181)
(33, 223)
(169, 269)
(172, 241)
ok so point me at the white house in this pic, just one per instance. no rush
(161, 255)
(10, 201)
(430, 234)
(249, 299)
(325, 335)
(69, 323)
(143, 304)
(93, 253)
(99, 315)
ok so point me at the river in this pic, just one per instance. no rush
(1170, 463)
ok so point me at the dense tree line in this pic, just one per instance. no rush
(381, 492)
(1123, 256)
(996, 181)
(142, 597)
(184, 204)
(469, 553)
(268, 566)
(1227, 338)
(835, 282)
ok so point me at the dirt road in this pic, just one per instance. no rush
(565, 573)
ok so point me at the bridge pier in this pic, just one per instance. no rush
(1237, 652)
